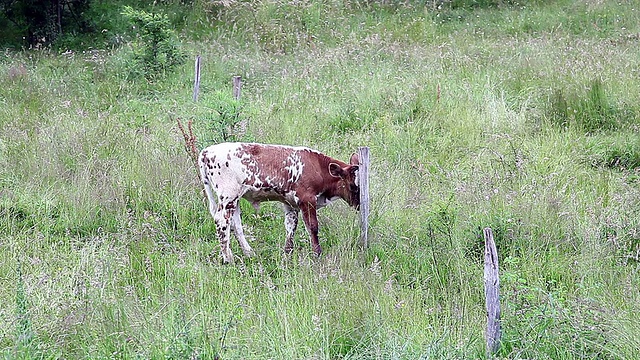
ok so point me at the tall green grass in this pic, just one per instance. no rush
(521, 117)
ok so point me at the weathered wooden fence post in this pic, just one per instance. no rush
(237, 87)
(492, 293)
(196, 82)
(363, 179)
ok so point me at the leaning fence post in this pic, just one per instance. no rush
(196, 82)
(363, 179)
(492, 293)
(237, 87)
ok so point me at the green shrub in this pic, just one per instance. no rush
(224, 119)
(156, 50)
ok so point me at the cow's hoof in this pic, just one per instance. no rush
(249, 253)
(227, 257)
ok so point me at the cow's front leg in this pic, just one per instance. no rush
(222, 219)
(310, 218)
(290, 225)
(237, 229)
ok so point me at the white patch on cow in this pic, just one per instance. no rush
(250, 170)
(273, 182)
(294, 166)
(292, 198)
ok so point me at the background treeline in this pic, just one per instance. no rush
(82, 24)
(71, 24)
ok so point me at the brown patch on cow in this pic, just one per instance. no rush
(252, 149)
(267, 165)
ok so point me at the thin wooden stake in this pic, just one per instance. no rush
(492, 293)
(196, 82)
(363, 179)
(237, 87)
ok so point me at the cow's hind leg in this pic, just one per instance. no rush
(222, 219)
(237, 229)
(290, 225)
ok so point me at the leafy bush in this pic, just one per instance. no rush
(156, 51)
(224, 120)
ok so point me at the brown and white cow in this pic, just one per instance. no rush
(299, 177)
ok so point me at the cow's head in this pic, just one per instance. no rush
(347, 187)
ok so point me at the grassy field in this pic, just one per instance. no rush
(522, 118)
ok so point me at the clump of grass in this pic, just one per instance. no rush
(476, 4)
(278, 26)
(540, 308)
(618, 153)
(24, 331)
(590, 112)
(352, 118)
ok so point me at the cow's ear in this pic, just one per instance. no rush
(353, 169)
(336, 171)
(355, 159)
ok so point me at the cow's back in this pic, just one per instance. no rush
(242, 167)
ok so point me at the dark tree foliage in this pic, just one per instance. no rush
(41, 22)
